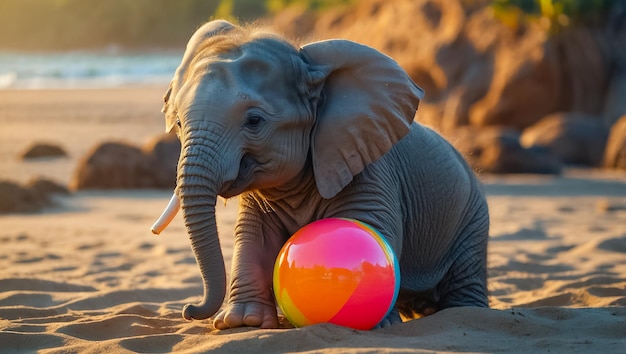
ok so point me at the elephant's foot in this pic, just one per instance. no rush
(252, 314)
(392, 318)
(417, 307)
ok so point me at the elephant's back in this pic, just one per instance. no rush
(428, 157)
(441, 175)
(440, 196)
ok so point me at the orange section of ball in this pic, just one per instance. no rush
(313, 278)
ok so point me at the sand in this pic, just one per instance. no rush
(88, 276)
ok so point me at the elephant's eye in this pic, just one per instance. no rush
(178, 122)
(254, 120)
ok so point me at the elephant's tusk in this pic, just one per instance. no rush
(167, 216)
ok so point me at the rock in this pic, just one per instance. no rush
(523, 72)
(575, 138)
(584, 63)
(415, 33)
(17, 199)
(163, 151)
(427, 38)
(113, 165)
(615, 152)
(615, 105)
(297, 21)
(47, 187)
(476, 69)
(38, 150)
(498, 150)
(608, 206)
(32, 197)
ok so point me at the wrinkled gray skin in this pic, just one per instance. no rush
(303, 134)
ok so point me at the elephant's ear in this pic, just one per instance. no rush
(206, 31)
(367, 105)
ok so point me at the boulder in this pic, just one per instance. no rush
(38, 150)
(615, 104)
(523, 72)
(427, 38)
(32, 197)
(113, 165)
(18, 199)
(296, 21)
(584, 63)
(163, 151)
(575, 138)
(422, 35)
(538, 75)
(47, 187)
(498, 150)
(477, 70)
(615, 152)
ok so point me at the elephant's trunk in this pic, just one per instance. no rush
(197, 189)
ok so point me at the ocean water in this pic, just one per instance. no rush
(71, 70)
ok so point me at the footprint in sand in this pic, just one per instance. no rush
(119, 326)
(28, 299)
(146, 246)
(535, 268)
(42, 285)
(617, 244)
(89, 246)
(152, 344)
(15, 342)
(523, 234)
(559, 249)
(526, 283)
(186, 260)
(20, 237)
(608, 292)
(108, 255)
(566, 209)
(64, 269)
(27, 259)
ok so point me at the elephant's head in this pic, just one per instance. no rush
(252, 111)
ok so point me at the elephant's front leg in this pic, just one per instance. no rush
(251, 301)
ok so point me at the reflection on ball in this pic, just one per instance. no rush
(334, 270)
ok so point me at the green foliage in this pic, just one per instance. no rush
(553, 15)
(241, 10)
(69, 24)
(246, 10)
(317, 5)
(72, 24)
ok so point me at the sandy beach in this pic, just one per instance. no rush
(87, 275)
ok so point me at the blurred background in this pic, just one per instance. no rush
(516, 85)
(92, 43)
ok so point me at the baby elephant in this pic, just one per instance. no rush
(322, 131)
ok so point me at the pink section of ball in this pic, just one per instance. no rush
(371, 300)
(329, 242)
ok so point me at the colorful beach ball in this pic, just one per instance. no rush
(339, 271)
